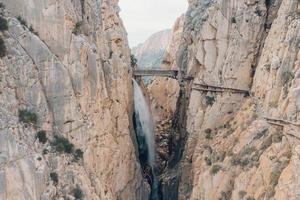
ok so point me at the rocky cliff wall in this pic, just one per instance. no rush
(241, 146)
(238, 145)
(66, 73)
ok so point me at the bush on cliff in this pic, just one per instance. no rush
(54, 177)
(62, 144)
(2, 48)
(3, 24)
(42, 136)
(77, 193)
(27, 117)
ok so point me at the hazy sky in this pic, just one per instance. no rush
(142, 18)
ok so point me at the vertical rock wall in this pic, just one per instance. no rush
(69, 64)
(241, 146)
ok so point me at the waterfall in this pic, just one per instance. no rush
(145, 127)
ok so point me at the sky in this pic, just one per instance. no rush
(142, 18)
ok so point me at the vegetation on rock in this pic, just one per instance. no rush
(27, 116)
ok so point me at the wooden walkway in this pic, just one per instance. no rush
(280, 122)
(212, 88)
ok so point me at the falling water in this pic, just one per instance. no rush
(142, 112)
(145, 134)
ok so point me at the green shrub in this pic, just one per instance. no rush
(210, 100)
(54, 177)
(133, 61)
(27, 116)
(268, 3)
(22, 21)
(77, 193)
(45, 151)
(76, 29)
(2, 48)
(3, 24)
(287, 76)
(33, 31)
(215, 169)
(208, 133)
(233, 20)
(62, 144)
(78, 154)
(42, 136)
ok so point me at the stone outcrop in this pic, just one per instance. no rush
(67, 63)
(150, 53)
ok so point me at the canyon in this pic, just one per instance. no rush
(75, 125)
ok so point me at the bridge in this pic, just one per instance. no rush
(156, 72)
(162, 73)
(213, 88)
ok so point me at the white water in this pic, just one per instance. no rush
(142, 110)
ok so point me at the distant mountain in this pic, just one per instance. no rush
(149, 54)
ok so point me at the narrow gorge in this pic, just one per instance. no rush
(218, 120)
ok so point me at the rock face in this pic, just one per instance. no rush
(150, 53)
(70, 72)
(229, 132)
(239, 145)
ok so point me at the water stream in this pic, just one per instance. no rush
(144, 128)
(146, 125)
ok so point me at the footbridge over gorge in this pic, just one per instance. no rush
(160, 73)
(175, 74)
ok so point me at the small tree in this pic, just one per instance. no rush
(210, 100)
(78, 154)
(62, 144)
(215, 169)
(27, 116)
(3, 24)
(42, 136)
(233, 20)
(133, 61)
(77, 193)
(76, 29)
(54, 177)
(208, 133)
(22, 21)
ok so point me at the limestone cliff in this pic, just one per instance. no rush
(66, 73)
(242, 128)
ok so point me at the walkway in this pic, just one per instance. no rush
(212, 88)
